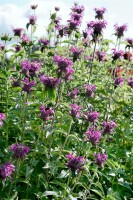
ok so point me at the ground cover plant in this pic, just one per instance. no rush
(66, 111)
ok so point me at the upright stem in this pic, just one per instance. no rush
(90, 74)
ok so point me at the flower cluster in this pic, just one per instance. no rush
(75, 17)
(120, 30)
(118, 81)
(6, 170)
(44, 42)
(89, 90)
(73, 93)
(50, 82)
(117, 54)
(101, 55)
(32, 19)
(64, 66)
(25, 39)
(109, 127)
(2, 47)
(99, 12)
(75, 110)
(92, 116)
(28, 85)
(2, 117)
(93, 136)
(17, 31)
(76, 52)
(97, 27)
(46, 113)
(30, 68)
(19, 150)
(34, 6)
(100, 159)
(75, 163)
(130, 82)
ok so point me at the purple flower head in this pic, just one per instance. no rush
(68, 73)
(93, 136)
(74, 24)
(78, 9)
(34, 6)
(44, 42)
(28, 85)
(120, 30)
(19, 150)
(118, 81)
(101, 55)
(76, 52)
(50, 82)
(57, 8)
(57, 22)
(100, 12)
(75, 163)
(25, 67)
(32, 19)
(130, 41)
(17, 48)
(130, 82)
(76, 17)
(100, 159)
(30, 68)
(62, 62)
(92, 116)
(6, 170)
(2, 117)
(75, 110)
(117, 54)
(25, 39)
(2, 47)
(108, 127)
(89, 90)
(46, 113)
(97, 27)
(34, 67)
(17, 31)
(73, 93)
